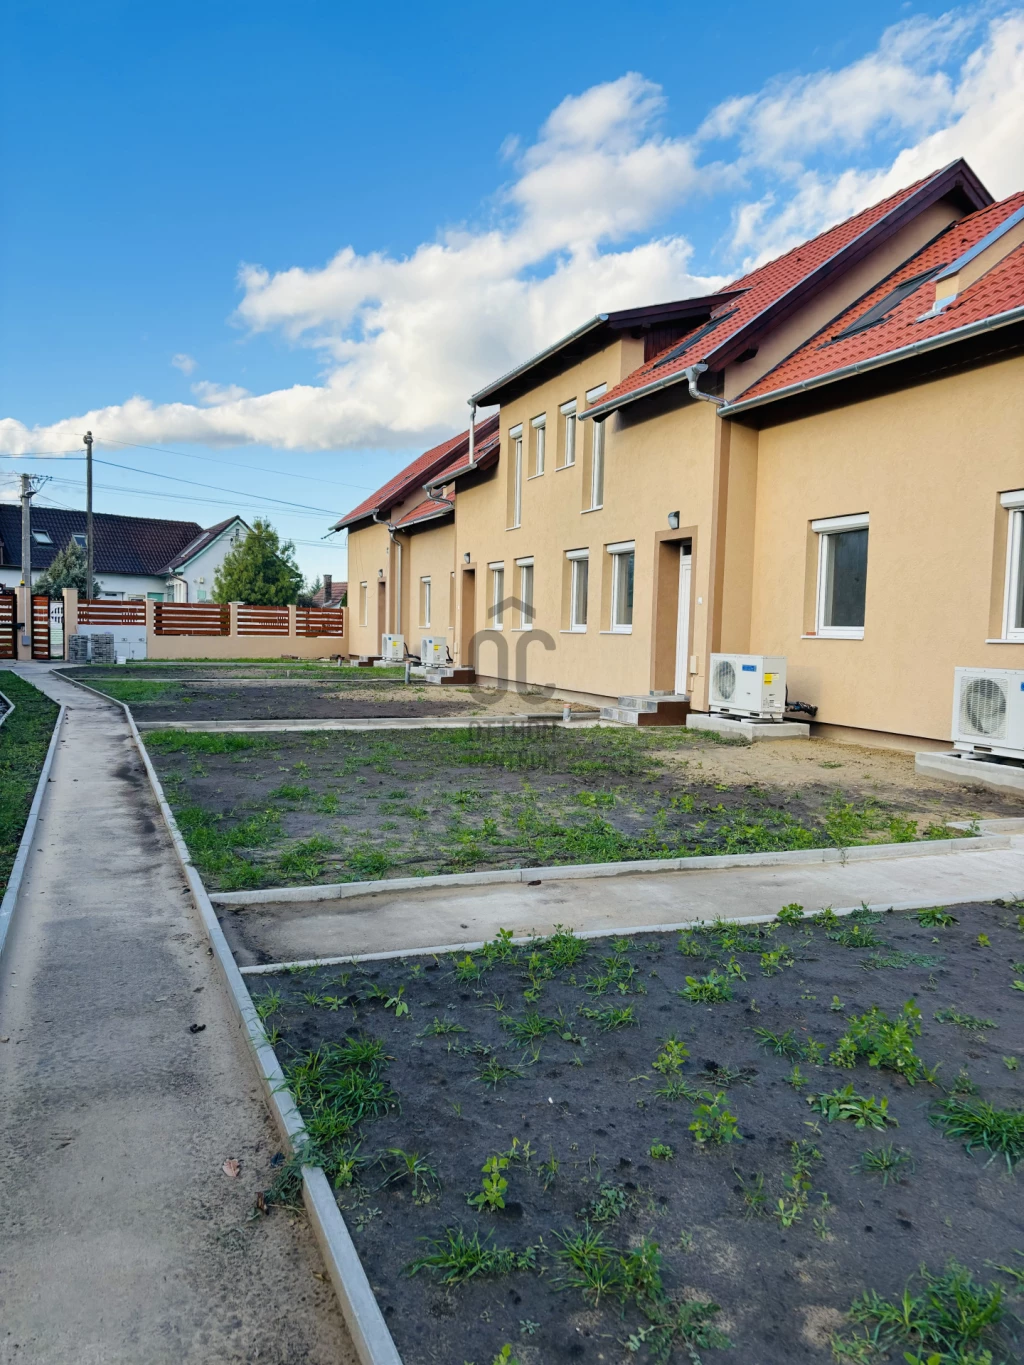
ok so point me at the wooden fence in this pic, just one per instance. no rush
(97, 612)
(8, 622)
(191, 618)
(316, 621)
(264, 621)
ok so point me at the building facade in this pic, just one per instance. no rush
(824, 461)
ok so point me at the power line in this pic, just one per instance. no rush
(217, 488)
(233, 464)
(241, 501)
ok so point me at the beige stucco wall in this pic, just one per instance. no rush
(368, 557)
(928, 465)
(662, 464)
(243, 646)
(428, 553)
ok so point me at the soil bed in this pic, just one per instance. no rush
(517, 1053)
(274, 810)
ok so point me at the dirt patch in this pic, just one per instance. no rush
(341, 806)
(584, 1068)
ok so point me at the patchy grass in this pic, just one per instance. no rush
(24, 739)
(437, 801)
(557, 1143)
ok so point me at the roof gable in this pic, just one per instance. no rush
(774, 291)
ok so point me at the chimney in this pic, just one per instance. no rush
(327, 589)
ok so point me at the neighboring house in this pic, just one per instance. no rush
(134, 557)
(824, 461)
(331, 594)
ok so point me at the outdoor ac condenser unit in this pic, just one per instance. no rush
(748, 685)
(988, 711)
(392, 648)
(433, 651)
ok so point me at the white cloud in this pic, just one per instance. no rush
(580, 228)
(183, 362)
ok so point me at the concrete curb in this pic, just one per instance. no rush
(954, 767)
(359, 1307)
(10, 707)
(715, 862)
(517, 720)
(628, 931)
(21, 857)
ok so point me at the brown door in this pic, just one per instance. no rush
(40, 627)
(7, 623)
(382, 614)
(467, 650)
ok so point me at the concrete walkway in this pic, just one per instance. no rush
(296, 931)
(122, 1239)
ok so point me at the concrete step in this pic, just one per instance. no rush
(449, 676)
(672, 713)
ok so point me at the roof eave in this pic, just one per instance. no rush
(933, 343)
(604, 409)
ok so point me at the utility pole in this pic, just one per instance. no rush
(87, 438)
(26, 559)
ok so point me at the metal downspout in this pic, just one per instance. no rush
(693, 372)
(396, 571)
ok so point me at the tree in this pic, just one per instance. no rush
(260, 571)
(309, 592)
(67, 569)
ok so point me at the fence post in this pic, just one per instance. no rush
(293, 625)
(70, 618)
(150, 625)
(233, 618)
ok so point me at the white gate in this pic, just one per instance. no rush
(56, 628)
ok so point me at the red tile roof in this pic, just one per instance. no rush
(425, 511)
(415, 475)
(997, 291)
(773, 289)
(485, 447)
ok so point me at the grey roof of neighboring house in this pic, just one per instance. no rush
(129, 545)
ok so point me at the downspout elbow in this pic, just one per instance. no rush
(693, 373)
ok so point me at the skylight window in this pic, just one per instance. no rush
(879, 311)
(42, 537)
(79, 538)
(688, 341)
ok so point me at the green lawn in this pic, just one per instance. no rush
(24, 738)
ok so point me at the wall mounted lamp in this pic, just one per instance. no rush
(673, 521)
(465, 558)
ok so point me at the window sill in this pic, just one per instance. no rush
(574, 630)
(538, 475)
(517, 527)
(617, 630)
(1007, 640)
(851, 634)
(598, 508)
(560, 467)
(522, 630)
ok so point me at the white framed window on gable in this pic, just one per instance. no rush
(363, 595)
(623, 557)
(496, 610)
(1013, 607)
(539, 426)
(596, 471)
(568, 411)
(515, 438)
(842, 576)
(524, 573)
(579, 588)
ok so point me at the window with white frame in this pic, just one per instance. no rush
(424, 601)
(842, 576)
(579, 585)
(516, 509)
(540, 434)
(524, 569)
(363, 598)
(497, 608)
(597, 466)
(1013, 610)
(623, 556)
(568, 411)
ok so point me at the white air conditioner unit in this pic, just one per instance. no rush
(433, 651)
(988, 711)
(748, 685)
(392, 648)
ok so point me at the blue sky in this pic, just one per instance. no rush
(182, 178)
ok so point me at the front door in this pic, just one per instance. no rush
(683, 625)
(467, 652)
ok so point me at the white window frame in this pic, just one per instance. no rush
(568, 411)
(596, 467)
(425, 604)
(364, 602)
(497, 608)
(516, 437)
(1014, 504)
(823, 528)
(528, 602)
(618, 551)
(540, 441)
(576, 558)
